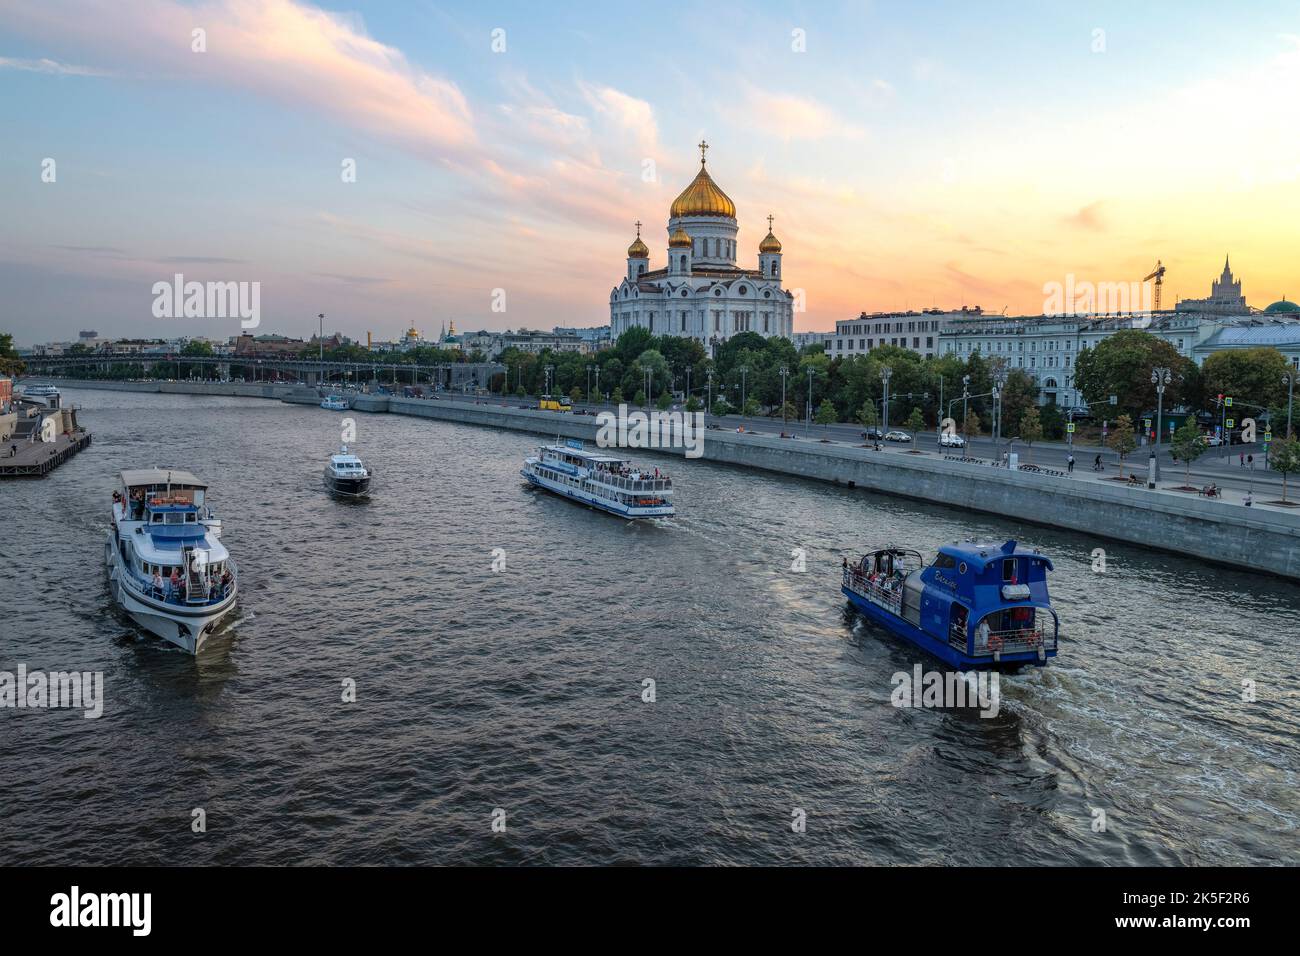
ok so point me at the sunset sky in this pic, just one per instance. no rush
(913, 155)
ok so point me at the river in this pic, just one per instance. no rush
(521, 690)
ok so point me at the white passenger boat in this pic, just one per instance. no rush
(602, 481)
(46, 394)
(166, 566)
(335, 403)
(345, 476)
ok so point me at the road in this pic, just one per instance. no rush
(1217, 465)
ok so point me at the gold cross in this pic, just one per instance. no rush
(638, 228)
(769, 223)
(703, 147)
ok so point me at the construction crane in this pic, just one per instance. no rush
(1159, 275)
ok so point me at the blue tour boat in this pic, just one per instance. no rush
(976, 605)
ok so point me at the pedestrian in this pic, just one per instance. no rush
(1250, 462)
(1247, 499)
(1069, 464)
(1243, 459)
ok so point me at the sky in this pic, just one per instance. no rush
(913, 154)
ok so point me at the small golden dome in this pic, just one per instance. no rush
(703, 198)
(769, 244)
(679, 239)
(638, 250)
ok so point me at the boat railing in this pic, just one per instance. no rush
(636, 485)
(889, 598)
(1019, 640)
(217, 591)
(957, 637)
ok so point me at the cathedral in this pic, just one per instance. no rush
(701, 292)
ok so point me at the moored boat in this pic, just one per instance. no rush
(346, 476)
(975, 606)
(335, 403)
(166, 565)
(601, 481)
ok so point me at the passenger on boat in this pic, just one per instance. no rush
(982, 637)
(175, 582)
(158, 583)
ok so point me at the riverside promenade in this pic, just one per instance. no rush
(1263, 537)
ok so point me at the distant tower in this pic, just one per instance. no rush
(638, 257)
(679, 253)
(769, 254)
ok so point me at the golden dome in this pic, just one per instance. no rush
(769, 244)
(679, 239)
(638, 250)
(703, 198)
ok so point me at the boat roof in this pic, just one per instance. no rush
(345, 459)
(160, 476)
(586, 455)
(980, 554)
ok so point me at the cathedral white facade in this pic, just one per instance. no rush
(701, 292)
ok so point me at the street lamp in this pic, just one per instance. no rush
(589, 384)
(709, 400)
(808, 416)
(999, 383)
(784, 372)
(965, 402)
(886, 374)
(1289, 381)
(744, 370)
(597, 381)
(1160, 377)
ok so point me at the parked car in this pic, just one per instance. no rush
(873, 434)
(1213, 441)
(897, 436)
(951, 440)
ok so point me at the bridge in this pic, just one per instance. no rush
(454, 376)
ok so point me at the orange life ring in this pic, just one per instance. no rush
(995, 642)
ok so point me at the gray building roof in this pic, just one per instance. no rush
(1253, 335)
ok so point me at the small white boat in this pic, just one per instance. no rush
(46, 394)
(601, 481)
(346, 476)
(166, 565)
(335, 403)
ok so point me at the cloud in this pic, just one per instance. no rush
(300, 55)
(629, 115)
(49, 66)
(795, 117)
(1089, 217)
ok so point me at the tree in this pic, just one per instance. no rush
(575, 396)
(1122, 440)
(638, 398)
(617, 396)
(664, 402)
(693, 404)
(1121, 365)
(1187, 445)
(1031, 430)
(972, 424)
(826, 413)
(1253, 375)
(915, 422)
(751, 407)
(721, 406)
(788, 411)
(1284, 458)
(867, 414)
(10, 364)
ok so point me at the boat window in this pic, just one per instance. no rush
(1009, 569)
(945, 561)
(190, 517)
(157, 519)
